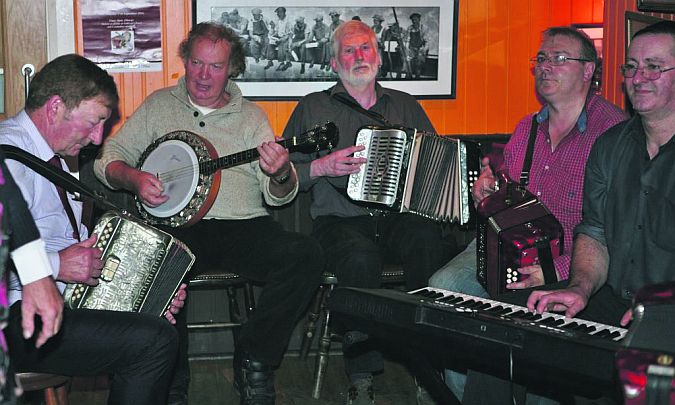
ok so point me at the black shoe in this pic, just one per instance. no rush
(269, 65)
(253, 380)
(281, 66)
(302, 69)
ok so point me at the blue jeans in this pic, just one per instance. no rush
(459, 274)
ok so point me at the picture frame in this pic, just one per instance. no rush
(656, 5)
(428, 71)
(634, 23)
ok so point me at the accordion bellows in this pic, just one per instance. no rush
(142, 268)
(421, 173)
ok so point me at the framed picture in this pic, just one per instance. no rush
(656, 5)
(417, 43)
(635, 22)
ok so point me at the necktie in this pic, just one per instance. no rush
(56, 162)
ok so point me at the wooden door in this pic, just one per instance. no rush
(24, 41)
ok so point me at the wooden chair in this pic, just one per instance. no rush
(54, 387)
(391, 275)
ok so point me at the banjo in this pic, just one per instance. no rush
(189, 168)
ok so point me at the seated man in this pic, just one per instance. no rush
(568, 125)
(281, 30)
(356, 239)
(69, 101)
(237, 232)
(319, 36)
(629, 170)
(298, 41)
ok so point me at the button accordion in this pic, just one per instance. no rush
(142, 268)
(514, 230)
(417, 172)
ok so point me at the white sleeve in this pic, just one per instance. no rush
(31, 262)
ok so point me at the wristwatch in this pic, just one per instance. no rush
(283, 178)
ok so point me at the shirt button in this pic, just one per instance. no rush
(645, 192)
(196, 114)
(639, 227)
(546, 167)
(202, 124)
(538, 193)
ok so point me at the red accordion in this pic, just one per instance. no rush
(515, 230)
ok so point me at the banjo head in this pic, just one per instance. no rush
(175, 159)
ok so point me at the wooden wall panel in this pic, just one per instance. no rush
(23, 33)
(494, 84)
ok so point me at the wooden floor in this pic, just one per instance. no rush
(212, 384)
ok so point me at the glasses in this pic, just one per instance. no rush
(555, 60)
(649, 71)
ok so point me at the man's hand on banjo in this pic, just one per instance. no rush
(145, 185)
(150, 189)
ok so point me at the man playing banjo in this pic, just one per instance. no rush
(237, 231)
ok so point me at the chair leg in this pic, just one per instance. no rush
(56, 395)
(322, 356)
(62, 394)
(235, 314)
(249, 298)
(310, 327)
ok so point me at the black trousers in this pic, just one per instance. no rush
(603, 307)
(288, 263)
(139, 350)
(355, 250)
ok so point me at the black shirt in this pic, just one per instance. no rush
(629, 206)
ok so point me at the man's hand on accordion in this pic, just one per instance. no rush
(486, 183)
(531, 276)
(338, 163)
(81, 263)
(176, 304)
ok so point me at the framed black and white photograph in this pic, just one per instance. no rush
(656, 5)
(287, 43)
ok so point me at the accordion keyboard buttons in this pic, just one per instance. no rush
(473, 177)
(511, 275)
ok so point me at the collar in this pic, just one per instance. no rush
(637, 131)
(582, 121)
(43, 150)
(236, 97)
(380, 91)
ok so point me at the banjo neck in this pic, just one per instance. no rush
(211, 166)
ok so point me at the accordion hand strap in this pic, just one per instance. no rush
(546, 261)
(527, 162)
(55, 175)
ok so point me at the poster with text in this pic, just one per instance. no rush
(122, 35)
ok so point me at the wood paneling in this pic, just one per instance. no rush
(24, 35)
(614, 43)
(494, 82)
